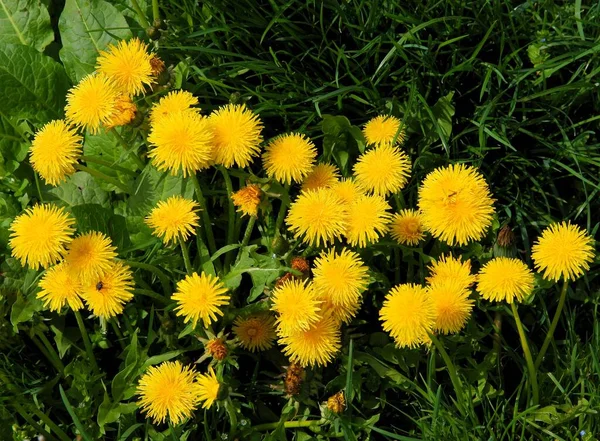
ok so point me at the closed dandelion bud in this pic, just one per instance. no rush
(124, 112)
(505, 243)
(283, 279)
(235, 97)
(279, 245)
(337, 403)
(217, 349)
(160, 24)
(301, 264)
(247, 200)
(157, 65)
(153, 33)
(293, 379)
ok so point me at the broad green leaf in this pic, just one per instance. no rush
(104, 146)
(24, 308)
(81, 189)
(25, 22)
(13, 147)
(94, 217)
(108, 412)
(32, 85)
(86, 28)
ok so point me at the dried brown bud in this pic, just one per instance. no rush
(337, 403)
(283, 279)
(217, 348)
(506, 237)
(157, 65)
(293, 379)
(301, 264)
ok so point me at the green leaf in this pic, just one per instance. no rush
(81, 189)
(23, 309)
(105, 146)
(32, 85)
(13, 148)
(86, 28)
(73, 415)
(25, 22)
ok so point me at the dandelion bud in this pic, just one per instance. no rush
(217, 349)
(301, 264)
(506, 237)
(337, 403)
(293, 379)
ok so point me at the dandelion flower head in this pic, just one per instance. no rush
(296, 305)
(382, 170)
(406, 227)
(315, 346)
(199, 297)
(451, 304)
(90, 256)
(505, 279)
(91, 103)
(106, 295)
(58, 288)
(255, 333)
(447, 267)
(289, 158)
(175, 217)
(384, 130)
(347, 190)
(124, 112)
(321, 176)
(207, 388)
(175, 101)
(248, 199)
(368, 218)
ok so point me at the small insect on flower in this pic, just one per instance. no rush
(563, 251)
(177, 216)
(368, 219)
(408, 315)
(175, 101)
(106, 295)
(39, 236)
(255, 333)
(91, 103)
(297, 306)
(384, 131)
(248, 199)
(289, 158)
(181, 141)
(321, 176)
(236, 135)
(128, 64)
(208, 388)
(90, 256)
(347, 190)
(382, 170)
(58, 288)
(456, 204)
(451, 304)
(54, 151)
(315, 346)
(199, 297)
(505, 279)
(407, 228)
(168, 390)
(451, 268)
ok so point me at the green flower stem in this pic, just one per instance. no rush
(282, 211)
(140, 13)
(155, 10)
(59, 364)
(98, 161)
(128, 149)
(37, 184)
(104, 177)
(400, 204)
(289, 425)
(458, 388)
(398, 261)
(152, 295)
(232, 417)
(115, 326)
(247, 234)
(86, 342)
(230, 215)
(44, 351)
(497, 337)
(205, 218)
(550, 334)
(164, 280)
(528, 357)
(186, 255)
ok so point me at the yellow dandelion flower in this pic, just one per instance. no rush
(174, 217)
(181, 141)
(347, 190)
(563, 251)
(321, 176)
(168, 390)
(91, 103)
(382, 170)
(341, 313)
(200, 298)
(406, 227)
(384, 131)
(505, 279)
(175, 101)
(90, 256)
(342, 277)
(368, 220)
(60, 288)
(106, 294)
(296, 304)
(451, 268)
(248, 199)
(54, 151)
(452, 306)
(289, 158)
(123, 114)
(318, 216)
(236, 135)
(315, 346)
(128, 64)
(208, 388)
(408, 315)
(255, 333)
(456, 204)
(39, 236)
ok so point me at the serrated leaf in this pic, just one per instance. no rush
(23, 309)
(81, 189)
(32, 85)
(86, 28)
(25, 22)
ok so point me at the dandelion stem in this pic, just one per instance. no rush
(86, 342)
(164, 280)
(289, 425)
(282, 210)
(230, 215)
(205, 219)
(453, 376)
(247, 234)
(140, 13)
(44, 351)
(186, 255)
(528, 357)
(155, 10)
(39, 188)
(59, 364)
(152, 295)
(104, 177)
(115, 326)
(550, 334)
